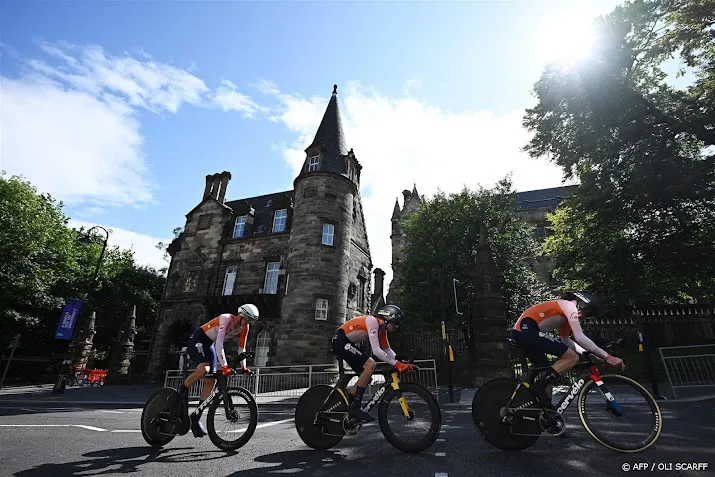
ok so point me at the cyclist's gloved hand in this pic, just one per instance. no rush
(247, 371)
(227, 371)
(404, 367)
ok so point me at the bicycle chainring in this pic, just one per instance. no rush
(351, 426)
(552, 422)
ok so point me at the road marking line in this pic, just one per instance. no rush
(36, 425)
(440, 440)
(90, 428)
(441, 474)
(440, 454)
(112, 412)
(267, 424)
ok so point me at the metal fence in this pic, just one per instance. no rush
(293, 381)
(689, 366)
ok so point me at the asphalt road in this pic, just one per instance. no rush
(46, 441)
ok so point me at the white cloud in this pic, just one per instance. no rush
(70, 121)
(404, 141)
(143, 246)
(229, 99)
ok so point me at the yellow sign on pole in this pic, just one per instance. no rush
(451, 353)
(444, 332)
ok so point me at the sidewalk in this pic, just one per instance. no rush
(130, 395)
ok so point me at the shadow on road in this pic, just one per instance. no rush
(306, 461)
(122, 461)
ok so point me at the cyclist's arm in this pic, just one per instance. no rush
(572, 315)
(572, 344)
(372, 333)
(223, 321)
(242, 338)
(385, 345)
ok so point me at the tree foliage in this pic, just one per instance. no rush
(43, 262)
(442, 240)
(640, 226)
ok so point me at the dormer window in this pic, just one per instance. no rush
(279, 220)
(240, 227)
(313, 163)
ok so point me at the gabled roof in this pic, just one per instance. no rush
(534, 199)
(207, 199)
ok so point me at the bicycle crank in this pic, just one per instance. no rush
(552, 422)
(351, 426)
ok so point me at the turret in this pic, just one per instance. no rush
(318, 257)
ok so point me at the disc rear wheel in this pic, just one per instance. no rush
(164, 404)
(328, 432)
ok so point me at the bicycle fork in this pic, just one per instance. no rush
(611, 403)
(401, 399)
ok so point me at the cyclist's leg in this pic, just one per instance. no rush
(536, 346)
(362, 364)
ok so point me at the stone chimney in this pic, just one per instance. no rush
(379, 282)
(223, 178)
(208, 191)
(216, 185)
(406, 194)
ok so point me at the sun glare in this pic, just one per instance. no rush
(567, 39)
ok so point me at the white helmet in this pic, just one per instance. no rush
(250, 312)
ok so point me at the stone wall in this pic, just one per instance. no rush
(359, 275)
(315, 270)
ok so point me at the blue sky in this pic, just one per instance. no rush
(120, 109)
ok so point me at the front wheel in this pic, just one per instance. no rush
(610, 403)
(242, 412)
(424, 415)
(489, 409)
(158, 423)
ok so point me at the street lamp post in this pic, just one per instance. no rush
(86, 239)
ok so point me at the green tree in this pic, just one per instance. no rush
(42, 263)
(640, 226)
(36, 254)
(443, 235)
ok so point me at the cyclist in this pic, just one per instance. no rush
(531, 331)
(205, 348)
(373, 328)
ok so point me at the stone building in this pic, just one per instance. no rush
(301, 256)
(531, 206)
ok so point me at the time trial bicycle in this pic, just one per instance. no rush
(322, 419)
(510, 416)
(162, 418)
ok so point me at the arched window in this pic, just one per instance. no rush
(263, 345)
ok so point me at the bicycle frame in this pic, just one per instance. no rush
(566, 401)
(220, 386)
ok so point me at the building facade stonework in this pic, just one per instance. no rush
(301, 256)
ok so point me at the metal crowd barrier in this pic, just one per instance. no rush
(293, 381)
(689, 366)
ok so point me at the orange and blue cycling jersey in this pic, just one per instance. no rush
(564, 315)
(367, 328)
(223, 327)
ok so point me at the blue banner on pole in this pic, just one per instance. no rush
(68, 319)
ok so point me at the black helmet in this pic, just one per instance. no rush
(391, 314)
(587, 303)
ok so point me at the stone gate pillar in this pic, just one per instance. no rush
(491, 323)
